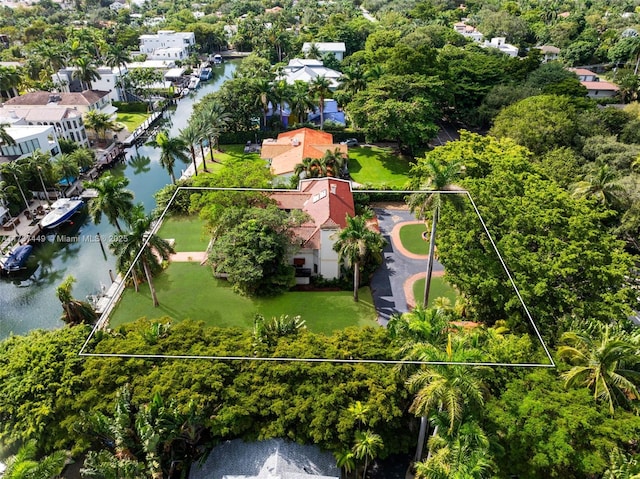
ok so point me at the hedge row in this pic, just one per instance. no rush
(131, 107)
(241, 137)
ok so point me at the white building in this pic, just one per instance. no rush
(29, 138)
(167, 44)
(307, 70)
(83, 101)
(65, 81)
(468, 31)
(501, 44)
(549, 53)
(337, 48)
(67, 122)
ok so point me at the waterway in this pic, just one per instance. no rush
(28, 301)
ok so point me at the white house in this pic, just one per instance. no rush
(167, 44)
(549, 53)
(501, 44)
(65, 81)
(327, 202)
(67, 122)
(337, 48)
(468, 31)
(29, 138)
(306, 70)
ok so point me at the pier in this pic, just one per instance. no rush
(142, 129)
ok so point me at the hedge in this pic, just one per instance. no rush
(131, 107)
(241, 137)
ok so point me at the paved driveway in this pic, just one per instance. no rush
(387, 284)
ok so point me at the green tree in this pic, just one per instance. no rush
(367, 446)
(86, 72)
(355, 243)
(190, 135)
(605, 361)
(16, 170)
(439, 177)
(170, 150)
(113, 199)
(74, 311)
(319, 88)
(25, 464)
(99, 122)
(602, 185)
(139, 245)
(5, 137)
(301, 103)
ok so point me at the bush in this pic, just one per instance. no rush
(131, 107)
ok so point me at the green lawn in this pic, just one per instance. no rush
(131, 120)
(439, 287)
(377, 166)
(236, 152)
(411, 238)
(188, 290)
(188, 231)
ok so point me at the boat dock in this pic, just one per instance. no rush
(110, 156)
(142, 129)
(24, 228)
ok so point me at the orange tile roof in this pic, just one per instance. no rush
(292, 147)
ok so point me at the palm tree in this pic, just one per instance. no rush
(113, 200)
(215, 121)
(139, 244)
(346, 460)
(367, 446)
(440, 177)
(313, 52)
(170, 150)
(39, 162)
(190, 136)
(606, 361)
(355, 243)
(353, 80)
(333, 162)
(602, 185)
(10, 79)
(311, 167)
(74, 311)
(300, 101)
(5, 137)
(265, 94)
(16, 170)
(65, 167)
(24, 465)
(99, 122)
(117, 57)
(53, 57)
(86, 72)
(7, 192)
(282, 92)
(319, 89)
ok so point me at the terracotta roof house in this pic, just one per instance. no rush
(292, 147)
(327, 201)
(82, 101)
(596, 88)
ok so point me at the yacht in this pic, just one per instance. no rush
(206, 74)
(62, 210)
(194, 83)
(15, 260)
(217, 59)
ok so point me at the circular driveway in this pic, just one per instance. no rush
(398, 265)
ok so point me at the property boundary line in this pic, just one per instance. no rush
(156, 226)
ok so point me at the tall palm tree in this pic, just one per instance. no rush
(300, 101)
(190, 136)
(282, 92)
(606, 361)
(311, 167)
(16, 170)
(320, 90)
(345, 460)
(24, 465)
(170, 150)
(117, 57)
(367, 446)
(10, 79)
(74, 311)
(39, 163)
(113, 199)
(53, 57)
(334, 162)
(601, 183)
(353, 80)
(99, 122)
(86, 72)
(355, 243)
(65, 167)
(139, 242)
(7, 192)
(265, 95)
(440, 177)
(215, 121)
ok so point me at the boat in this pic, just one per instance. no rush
(15, 260)
(194, 83)
(61, 211)
(217, 59)
(206, 74)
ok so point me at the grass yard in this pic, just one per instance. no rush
(188, 290)
(411, 238)
(378, 166)
(131, 120)
(188, 231)
(439, 287)
(235, 152)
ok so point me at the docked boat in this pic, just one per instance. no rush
(194, 83)
(16, 260)
(61, 211)
(217, 59)
(206, 74)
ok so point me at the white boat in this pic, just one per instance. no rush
(217, 59)
(194, 83)
(206, 74)
(62, 210)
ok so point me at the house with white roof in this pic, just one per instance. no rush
(67, 122)
(307, 70)
(29, 138)
(596, 88)
(167, 45)
(468, 31)
(337, 48)
(65, 81)
(501, 44)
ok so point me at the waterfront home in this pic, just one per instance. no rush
(338, 49)
(67, 122)
(167, 45)
(84, 102)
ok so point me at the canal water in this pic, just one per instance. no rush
(28, 301)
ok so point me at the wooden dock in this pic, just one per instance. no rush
(142, 129)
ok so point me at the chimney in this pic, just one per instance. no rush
(13, 114)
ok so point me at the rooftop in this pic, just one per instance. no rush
(42, 98)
